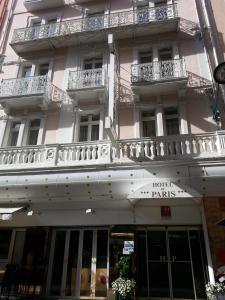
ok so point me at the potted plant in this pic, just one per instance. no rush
(124, 286)
(215, 291)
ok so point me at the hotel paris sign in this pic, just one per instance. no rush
(164, 190)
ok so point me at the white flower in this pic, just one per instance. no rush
(123, 286)
(212, 289)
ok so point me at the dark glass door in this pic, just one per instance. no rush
(180, 262)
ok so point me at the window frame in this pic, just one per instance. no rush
(171, 117)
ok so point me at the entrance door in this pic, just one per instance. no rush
(79, 263)
(171, 264)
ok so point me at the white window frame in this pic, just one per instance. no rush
(24, 130)
(80, 113)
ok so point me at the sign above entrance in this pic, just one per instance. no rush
(165, 190)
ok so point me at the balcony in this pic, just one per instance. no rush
(170, 75)
(123, 24)
(184, 147)
(32, 5)
(87, 83)
(30, 92)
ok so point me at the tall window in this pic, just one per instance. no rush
(89, 127)
(14, 134)
(33, 132)
(52, 28)
(148, 123)
(171, 121)
(145, 72)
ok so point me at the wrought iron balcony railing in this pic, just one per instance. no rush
(92, 78)
(158, 71)
(31, 86)
(93, 23)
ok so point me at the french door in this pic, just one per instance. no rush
(171, 264)
(79, 263)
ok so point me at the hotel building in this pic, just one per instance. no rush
(108, 136)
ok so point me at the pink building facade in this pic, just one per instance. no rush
(106, 123)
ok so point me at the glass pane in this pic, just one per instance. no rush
(33, 137)
(145, 58)
(179, 246)
(95, 133)
(157, 250)
(101, 264)
(95, 117)
(198, 264)
(72, 263)
(26, 72)
(35, 258)
(5, 239)
(58, 263)
(142, 283)
(14, 138)
(172, 126)
(182, 280)
(43, 69)
(165, 54)
(149, 128)
(85, 285)
(83, 136)
(158, 279)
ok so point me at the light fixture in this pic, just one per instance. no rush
(30, 213)
(89, 211)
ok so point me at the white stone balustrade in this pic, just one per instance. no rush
(82, 79)
(174, 147)
(106, 21)
(183, 147)
(158, 71)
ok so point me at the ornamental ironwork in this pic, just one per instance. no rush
(158, 70)
(86, 79)
(94, 23)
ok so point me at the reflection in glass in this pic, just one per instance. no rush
(101, 264)
(182, 280)
(142, 284)
(198, 264)
(58, 262)
(72, 263)
(85, 285)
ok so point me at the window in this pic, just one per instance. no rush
(94, 20)
(26, 72)
(171, 121)
(148, 123)
(33, 132)
(145, 72)
(14, 134)
(93, 63)
(89, 127)
(166, 63)
(145, 57)
(35, 29)
(43, 69)
(143, 14)
(52, 28)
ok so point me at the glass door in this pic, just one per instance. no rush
(181, 267)
(79, 263)
(171, 263)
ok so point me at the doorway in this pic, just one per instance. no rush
(79, 263)
(171, 263)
